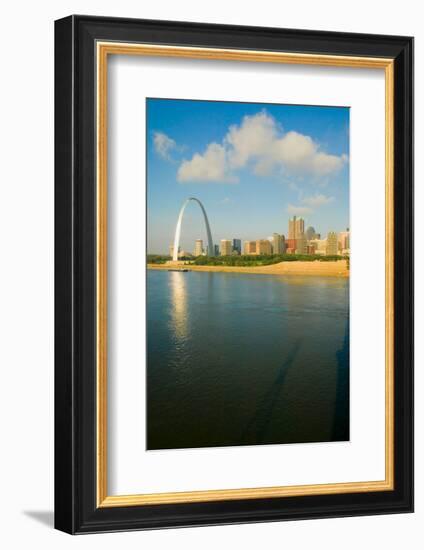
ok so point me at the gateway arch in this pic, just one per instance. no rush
(178, 229)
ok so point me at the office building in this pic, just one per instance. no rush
(263, 246)
(311, 247)
(319, 245)
(226, 247)
(277, 243)
(290, 246)
(237, 246)
(296, 228)
(301, 244)
(332, 244)
(198, 247)
(344, 240)
(250, 247)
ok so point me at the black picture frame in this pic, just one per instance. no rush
(76, 510)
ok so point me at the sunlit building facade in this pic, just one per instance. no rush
(332, 244)
(319, 246)
(198, 247)
(277, 242)
(226, 247)
(263, 246)
(290, 246)
(296, 227)
(301, 244)
(344, 240)
(249, 247)
(311, 247)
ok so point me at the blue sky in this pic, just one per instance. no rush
(252, 165)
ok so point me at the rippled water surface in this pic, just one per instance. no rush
(242, 359)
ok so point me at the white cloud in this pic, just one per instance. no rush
(298, 210)
(299, 154)
(261, 145)
(317, 200)
(210, 166)
(254, 138)
(163, 145)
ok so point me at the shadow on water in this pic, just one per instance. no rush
(341, 413)
(259, 423)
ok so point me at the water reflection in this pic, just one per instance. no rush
(178, 307)
(246, 359)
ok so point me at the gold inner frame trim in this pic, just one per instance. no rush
(104, 49)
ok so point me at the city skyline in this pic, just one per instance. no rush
(297, 240)
(253, 166)
(297, 228)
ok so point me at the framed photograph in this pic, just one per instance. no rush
(234, 274)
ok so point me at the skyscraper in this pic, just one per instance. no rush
(292, 230)
(344, 240)
(237, 246)
(263, 246)
(250, 247)
(300, 228)
(198, 247)
(291, 246)
(226, 247)
(296, 227)
(301, 244)
(277, 242)
(332, 245)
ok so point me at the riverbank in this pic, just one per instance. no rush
(317, 268)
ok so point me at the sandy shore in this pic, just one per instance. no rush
(330, 269)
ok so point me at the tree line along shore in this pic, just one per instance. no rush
(245, 260)
(287, 264)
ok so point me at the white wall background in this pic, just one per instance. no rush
(26, 273)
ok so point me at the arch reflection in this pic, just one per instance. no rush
(178, 313)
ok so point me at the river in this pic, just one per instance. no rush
(243, 359)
